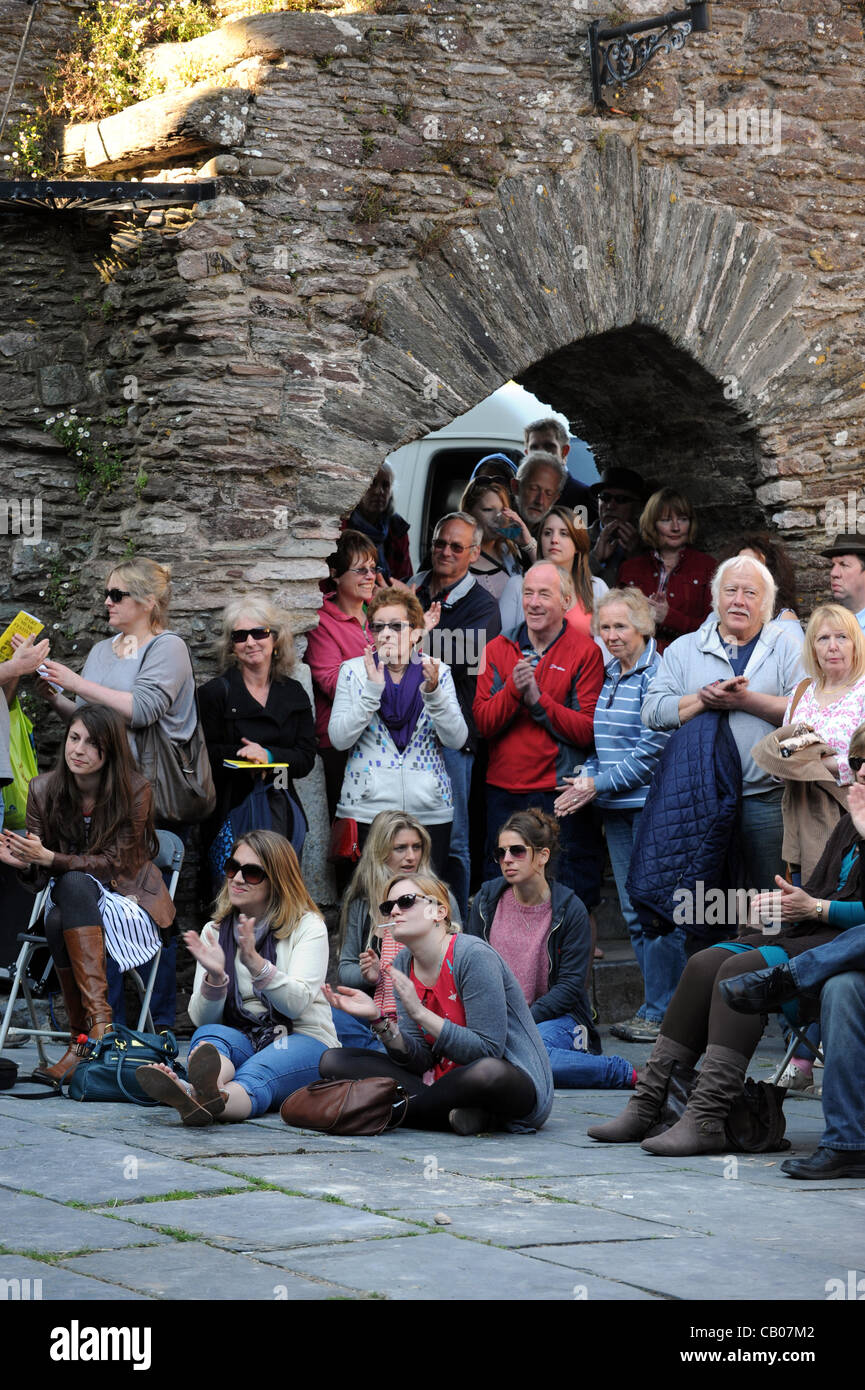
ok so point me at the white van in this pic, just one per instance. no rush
(431, 473)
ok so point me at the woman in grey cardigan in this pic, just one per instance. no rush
(465, 1046)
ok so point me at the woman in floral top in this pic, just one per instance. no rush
(834, 702)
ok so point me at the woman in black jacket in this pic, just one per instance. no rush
(254, 712)
(541, 930)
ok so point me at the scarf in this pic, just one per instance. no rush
(402, 704)
(259, 1028)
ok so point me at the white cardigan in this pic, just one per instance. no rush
(295, 990)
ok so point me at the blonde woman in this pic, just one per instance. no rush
(262, 1019)
(144, 673)
(397, 844)
(254, 711)
(464, 1046)
(833, 703)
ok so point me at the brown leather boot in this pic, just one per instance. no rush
(645, 1105)
(701, 1128)
(64, 1068)
(85, 947)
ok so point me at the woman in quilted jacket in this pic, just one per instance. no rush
(394, 708)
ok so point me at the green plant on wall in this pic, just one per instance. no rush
(30, 157)
(99, 465)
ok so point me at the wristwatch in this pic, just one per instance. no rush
(819, 908)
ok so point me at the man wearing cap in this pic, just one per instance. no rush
(615, 536)
(847, 579)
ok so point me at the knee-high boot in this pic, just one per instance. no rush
(85, 947)
(701, 1128)
(645, 1105)
(77, 1025)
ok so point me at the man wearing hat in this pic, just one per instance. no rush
(615, 535)
(847, 579)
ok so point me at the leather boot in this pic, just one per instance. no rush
(701, 1128)
(645, 1105)
(85, 947)
(64, 1068)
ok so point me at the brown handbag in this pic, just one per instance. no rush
(368, 1106)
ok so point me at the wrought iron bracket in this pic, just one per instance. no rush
(99, 195)
(618, 55)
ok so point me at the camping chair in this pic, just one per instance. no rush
(169, 859)
(797, 1020)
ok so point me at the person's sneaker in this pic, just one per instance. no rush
(794, 1078)
(637, 1030)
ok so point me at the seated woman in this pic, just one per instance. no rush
(90, 836)
(671, 572)
(700, 1017)
(541, 930)
(255, 712)
(263, 1021)
(465, 1046)
(394, 708)
(397, 844)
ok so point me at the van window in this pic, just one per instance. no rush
(449, 471)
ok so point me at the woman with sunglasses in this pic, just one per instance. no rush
(542, 931)
(262, 1019)
(394, 709)
(397, 844)
(144, 674)
(464, 1045)
(90, 838)
(254, 711)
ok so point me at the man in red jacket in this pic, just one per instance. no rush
(535, 702)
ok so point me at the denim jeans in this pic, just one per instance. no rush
(762, 829)
(842, 1018)
(353, 1032)
(459, 766)
(163, 1001)
(661, 958)
(272, 1074)
(814, 968)
(571, 1069)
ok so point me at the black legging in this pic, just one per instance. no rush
(489, 1084)
(697, 1014)
(76, 904)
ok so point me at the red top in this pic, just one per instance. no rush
(688, 589)
(441, 999)
(337, 638)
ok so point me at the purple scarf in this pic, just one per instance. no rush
(402, 705)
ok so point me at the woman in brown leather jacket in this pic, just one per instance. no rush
(90, 835)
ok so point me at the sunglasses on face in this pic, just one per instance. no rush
(515, 851)
(450, 545)
(366, 571)
(377, 628)
(253, 874)
(117, 595)
(258, 634)
(855, 763)
(404, 902)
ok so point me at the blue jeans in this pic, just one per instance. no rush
(353, 1032)
(163, 1001)
(814, 968)
(762, 829)
(272, 1074)
(842, 1018)
(571, 1069)
(459, 766)
(661, 958)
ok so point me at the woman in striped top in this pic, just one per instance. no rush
(90, 837)
(618, 778)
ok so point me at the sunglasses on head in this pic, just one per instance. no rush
(117, 595)
(240, 634)
(403, 902)
(515, 851)
(855, 763)
(253, 874)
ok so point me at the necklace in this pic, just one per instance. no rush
(528, 925)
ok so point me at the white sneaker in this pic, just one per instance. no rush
(795, 1079)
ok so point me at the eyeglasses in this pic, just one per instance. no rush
(515, 851)
(253, 874)
(403, 902)
(376, 628)
(117, 595)
(366, 571)
(855, 763)
(450, 545)
(258, 634)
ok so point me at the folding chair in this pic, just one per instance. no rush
(797, 1026)
(170, 858)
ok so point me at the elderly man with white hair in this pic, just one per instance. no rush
(742, 663)
(540, 479)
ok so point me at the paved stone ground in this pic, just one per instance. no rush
(110, 1202)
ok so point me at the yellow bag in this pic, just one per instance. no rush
(22, 756)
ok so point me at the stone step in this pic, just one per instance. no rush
(617, 985)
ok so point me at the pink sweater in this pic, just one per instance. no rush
(337, 638)
(519, 934)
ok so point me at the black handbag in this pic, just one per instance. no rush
(755, 1124)
(108, 1074)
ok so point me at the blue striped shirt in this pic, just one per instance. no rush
(626, 752)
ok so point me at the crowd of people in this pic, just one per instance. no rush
(545, 691)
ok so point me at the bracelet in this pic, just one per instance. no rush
(380, 1026)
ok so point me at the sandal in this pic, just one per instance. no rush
(203, 1067)
(164, 1088)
